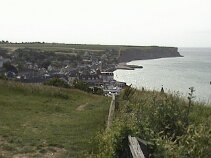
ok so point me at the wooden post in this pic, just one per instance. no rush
(135, 147)
(111, 112)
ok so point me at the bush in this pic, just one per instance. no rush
(196, 142)
(82, 86)
(57, 82)
(161, 120)
(3, 77)
(97, 91)
(128, 92)
(113, 143)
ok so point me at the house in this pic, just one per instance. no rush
(120, 84)
(10, 74)
(111, 90)
(72, 77)
(71, 80)
(29, 76)
(107, 76)
(91, 79)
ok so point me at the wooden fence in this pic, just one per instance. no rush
(111, 112)
(135, 147)
(133, 142)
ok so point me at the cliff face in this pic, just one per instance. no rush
(142, 53)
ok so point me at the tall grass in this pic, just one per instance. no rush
(37, 89)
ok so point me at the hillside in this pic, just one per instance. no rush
(42, 121)
(124, 53)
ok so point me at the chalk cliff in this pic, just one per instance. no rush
(142, 53)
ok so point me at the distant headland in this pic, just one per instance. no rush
(147, 52)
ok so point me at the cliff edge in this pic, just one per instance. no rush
(143, 53)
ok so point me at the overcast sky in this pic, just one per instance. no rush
(134, 22)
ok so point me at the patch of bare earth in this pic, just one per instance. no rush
(3, 141)
(54, 152)
(44, 151)
(81, 107)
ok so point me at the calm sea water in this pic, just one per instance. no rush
(175, 74)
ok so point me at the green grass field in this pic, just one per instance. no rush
(41, 121)
(69, 47)
(58, 47)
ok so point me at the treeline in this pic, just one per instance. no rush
(4, 42)
(7, 42)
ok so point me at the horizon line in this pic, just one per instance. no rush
(66, 43)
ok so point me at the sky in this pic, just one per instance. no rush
(181, 23)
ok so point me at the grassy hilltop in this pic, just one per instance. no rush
(68, 47)
(79, 48)
(42, 121)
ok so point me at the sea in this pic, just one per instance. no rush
(176, 75)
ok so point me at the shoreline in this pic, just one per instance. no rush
(147, 77)
(124, 66)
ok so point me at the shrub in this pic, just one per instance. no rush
(57, 82)
(82, 86)
(97, 91)
(196, 142)
(128, 92)
(3, 77)
(161, 120)
(113, 143)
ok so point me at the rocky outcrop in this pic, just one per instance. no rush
(143, 53)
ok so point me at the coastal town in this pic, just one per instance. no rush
(77, 65)
(105, 79)
(35, 66)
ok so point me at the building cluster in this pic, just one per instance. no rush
(91, 69)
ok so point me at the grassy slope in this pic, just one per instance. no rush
(38, 119)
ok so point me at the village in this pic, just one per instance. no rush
(34, 66)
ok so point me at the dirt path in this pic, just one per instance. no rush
(55, 152)
(81, 107)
